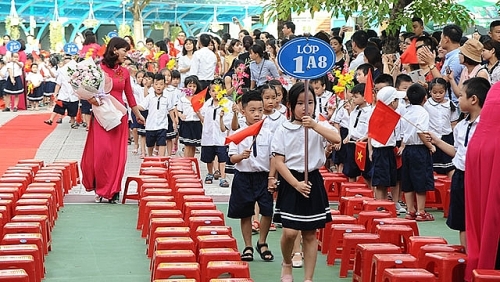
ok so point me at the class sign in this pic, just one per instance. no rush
(306, 58)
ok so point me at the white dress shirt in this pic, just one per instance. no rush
(460, 134)
(203, 64)
(419, 117)
(440, 117)
(260, 155)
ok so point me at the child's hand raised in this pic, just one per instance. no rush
(246, 154)
(308, 122)
(303, 188)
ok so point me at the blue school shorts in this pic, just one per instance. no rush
(208, 154)
(456, 214)
(247, 189)
(156, 137)
(351, 169)
(384, 167)
(417, 170)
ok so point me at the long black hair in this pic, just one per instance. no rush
(293, 96)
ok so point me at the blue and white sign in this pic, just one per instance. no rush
(13, 46)
(306, 58)
(112, 34)
(70, 48)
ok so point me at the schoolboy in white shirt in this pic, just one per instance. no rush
(322, 96)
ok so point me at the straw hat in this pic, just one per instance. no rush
(472, 49)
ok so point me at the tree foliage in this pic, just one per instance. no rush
(374, 12)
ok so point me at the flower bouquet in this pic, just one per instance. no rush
(343, 81)
(89, 81)
(237, 82)
(224, 102)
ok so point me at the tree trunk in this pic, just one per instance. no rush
(392, 40)
(138, 30)
(166, 30)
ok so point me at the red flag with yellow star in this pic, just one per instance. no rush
(198, 100)
(360, 155)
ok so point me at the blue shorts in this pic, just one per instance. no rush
(417, 175)
(247, 189)
(85, 107)
(341, 154)
(383, 167)
(456, 215)
(208, 154)
(156, 137)
(351, 169)
(71, 107)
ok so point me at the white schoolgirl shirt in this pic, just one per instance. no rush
(259, 159)
(460, 134)
(17, 70)
(417, 115)
(288, 141)
(440, 117)
(401, 110)
(211, 134)
(184, 106)
(273, 121)
(358, 122)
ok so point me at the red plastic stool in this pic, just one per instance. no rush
(201, 213)
(171, 256)
(197, 198)
(344, 185)
(186, 269)
(25, 262)
(11, 190)
(163, 222)
(14, 275)
(44, 223)
(34, 210)
(407, 275)
(156, 192)
(75, 175)
(164, 214)
(375, 205)
(320, 232)
(141, 216)
(337, 240)
(485, 275)
(28, 204)
(195, 222)
(237, 269)
(174, 243)
(155, 171)
(216, 254)
(366, 218)
(66, 174)
(26, 249)
(213, 230)
(181, 192)
(155, 185)
(187, 183)
(21, 180)
(363, 258)
(332, 186)
(52, 204)
(184, 178)
(26, 238)
(139, 179)
(165, 232)
(437, 248)
(416, 242)
(324, 243)
(21, 174)
(159, 164)
(398, 235)
(446, 267)
(155, 206)
(395, 221)
(156, 159)
(7, 210)
(24, 227)
(191, 206)
(216, 241)
(44, 188)
(40, 163)
(364, 192)
(352, 205)
(58, 186)
(384, 261)
(34, 167)
(351, 240)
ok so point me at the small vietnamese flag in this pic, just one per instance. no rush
(382, 122)
(409, 56)
(101, 51)
(321, 117)
(59, 103)
(360, 155)
(239, 136)
(369, 87)
(198, 100)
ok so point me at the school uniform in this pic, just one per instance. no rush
(212, 138)
(417, 175)
(68, 97)
(293, 210)
(138, 92)
(358, 129)
(322, 103)
(16, 88)
(398, 131)
(463, 132)
(250, 180)
(282, 110)
(440, 118)
(190, 128)
(171, 93)
(341, 117)
(273, 121)
(3, 78)
(49, 84)
(157, 122)
(37, 92)
(383, 164)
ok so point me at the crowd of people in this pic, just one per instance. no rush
(198, 91)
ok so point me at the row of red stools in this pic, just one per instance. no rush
(31, 193)
(185, 233)
(339, 189)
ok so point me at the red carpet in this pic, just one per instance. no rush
(21, 137)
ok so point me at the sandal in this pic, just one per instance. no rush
(255, 227)
(216, 175)
(411, 215)
(264, 255)
(425, 216)
(272, 227)
(74, 125)
(97, 199)
(49, 122)
(142, 156)
(286, 277)
(297, 263)
(209, 179)
(247, 254)
(223, 183)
